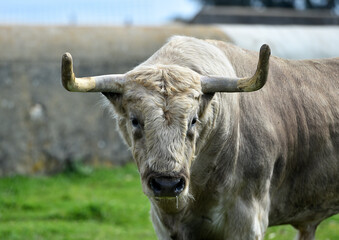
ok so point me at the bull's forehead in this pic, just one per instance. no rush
(166, 80)
(154, 106)
(161, 90)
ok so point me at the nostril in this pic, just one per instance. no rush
(167, 186)
(155, 185)
(180, 186)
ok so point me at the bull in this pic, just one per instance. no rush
(217, 158)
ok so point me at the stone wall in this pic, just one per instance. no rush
(44, 127)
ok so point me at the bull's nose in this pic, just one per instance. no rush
(167, 186)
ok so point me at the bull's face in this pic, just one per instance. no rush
(158, 109)
(158, 116)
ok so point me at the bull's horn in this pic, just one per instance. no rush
(250, 84)
(104, 83)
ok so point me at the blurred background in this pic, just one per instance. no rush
(71, 138)
(44, 128)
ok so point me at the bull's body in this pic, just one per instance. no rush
(259, 159)
(267, 157)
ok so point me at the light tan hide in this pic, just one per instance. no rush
(232, 164)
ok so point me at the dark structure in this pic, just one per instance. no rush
(272, 16)
(306, 4)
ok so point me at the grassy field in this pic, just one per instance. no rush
(102, 204)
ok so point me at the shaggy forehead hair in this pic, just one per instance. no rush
(169, 80)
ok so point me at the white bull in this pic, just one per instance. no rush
(221, 165)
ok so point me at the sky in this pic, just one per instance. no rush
(95, 12)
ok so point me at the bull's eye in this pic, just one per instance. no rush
(190, 130)
(137, 128)
(194, 121)
(135, 122)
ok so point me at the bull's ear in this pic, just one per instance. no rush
(116, 100)
(205, 101)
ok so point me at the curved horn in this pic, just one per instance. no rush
(250, 84)
(104, 83)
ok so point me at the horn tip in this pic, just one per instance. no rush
(67, 77)
(67, 57)
(265, 49)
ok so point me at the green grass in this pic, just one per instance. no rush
(102, 204)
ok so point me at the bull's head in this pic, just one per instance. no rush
(158, 108)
